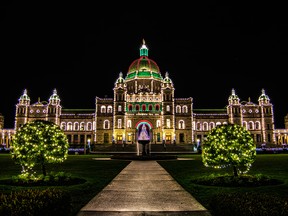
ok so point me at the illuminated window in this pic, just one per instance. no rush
(119, 123)
(63, 126)
(82, 126)
(185, 109)
(103, 109)
(168, 123)
(129, 124)
(181, 124)
(119, 108)
(158, 123)
(109, 109)
(178, 109)
(69, 126)
(168, 108)
(106, 124)
(76, 126)
(89, 126)
(205, 126)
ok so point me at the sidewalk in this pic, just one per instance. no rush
(143, 188)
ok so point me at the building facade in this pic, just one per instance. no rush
(143, 97)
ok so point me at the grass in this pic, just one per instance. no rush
(186, 171)
(98, 173)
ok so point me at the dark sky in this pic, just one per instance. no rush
(207, 49)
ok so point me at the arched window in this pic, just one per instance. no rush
(198, 126)
(130, 107)
(69, 126)
(63, 126)
(76, 126)
(185, 109)
(211, 125)
(150, 107)
(245, 125)
(181, 124)
(178, 109)
(82, 126)
(143, 107)
(109, 109)
(137, 107)
(158, 123)
(257, 125)
(168, 123)
(106, 124)
(129, 124)
(157, 107)
(205, 126)
(168, 108)
(89, 126)
(251, 125)
(103, 109)
(119, 108)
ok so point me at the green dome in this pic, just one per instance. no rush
(143, 67)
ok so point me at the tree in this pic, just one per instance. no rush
(39, 142)
(229, 145)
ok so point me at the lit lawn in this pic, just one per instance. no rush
(272, 165)
(97, 173)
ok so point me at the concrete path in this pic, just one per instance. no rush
(143, 188)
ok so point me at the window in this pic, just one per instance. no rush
(168, 108)
(82, 126)
(119, 125)
(69, 126)
(157, 107)
(143, 107)
(158, 123)
(76, 126)
(109, 109)
(150, 107)
(103, 109)
(168, 123)
(130, 107)
(181, 124)
(89, 126)
(185, 109)
(129, 124)
(106, 124)
(119, 108)
(178, 109)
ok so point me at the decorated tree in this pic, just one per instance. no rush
(39, 142)
(229, 145)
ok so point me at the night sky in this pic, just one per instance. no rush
(80, 49)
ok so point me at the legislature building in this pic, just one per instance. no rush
(144, 98)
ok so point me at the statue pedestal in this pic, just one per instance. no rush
(144, 144)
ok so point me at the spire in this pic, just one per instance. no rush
(54, 98)
(233, 98)
(143, 49)
(263, 98)
(24, 98)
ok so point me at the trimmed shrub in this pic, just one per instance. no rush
(30, 202)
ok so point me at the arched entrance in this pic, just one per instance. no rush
(143, 137)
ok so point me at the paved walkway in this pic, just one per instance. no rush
(143, 188)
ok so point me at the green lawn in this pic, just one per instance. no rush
(98, 173)
(272, 165)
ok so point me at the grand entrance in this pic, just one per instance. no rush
(144, 135)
